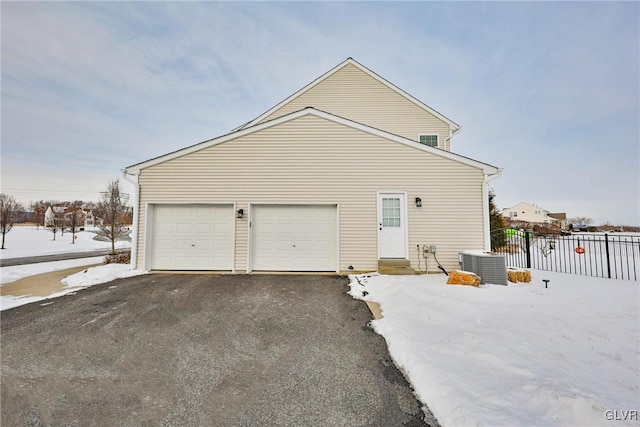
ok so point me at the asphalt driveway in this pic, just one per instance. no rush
(201, 350)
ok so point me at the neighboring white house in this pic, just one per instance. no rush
(89, 219)
(49, 217)
(528, 212)
(345, 172)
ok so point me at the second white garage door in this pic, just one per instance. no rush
(294, 237)
(192, 237)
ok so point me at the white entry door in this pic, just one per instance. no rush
(392, 225)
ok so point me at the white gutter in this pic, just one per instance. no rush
(485, 207)
(136, 213)
(451, 135)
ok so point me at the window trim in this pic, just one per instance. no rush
(430, 134)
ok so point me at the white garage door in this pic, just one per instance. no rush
(294, 237)
(192, 237)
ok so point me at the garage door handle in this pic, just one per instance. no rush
(193, 245)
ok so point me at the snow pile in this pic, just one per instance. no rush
(75, 282)
(29, 241)
(102, 274)
(8, 301)
(514, 355)
(13, 273)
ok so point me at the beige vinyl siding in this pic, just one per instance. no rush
(353, 94)
(311, 159)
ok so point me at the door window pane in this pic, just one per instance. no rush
(391, 212)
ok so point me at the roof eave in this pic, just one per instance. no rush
(135, 169)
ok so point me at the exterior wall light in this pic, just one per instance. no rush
(418, 202)
(240, 213)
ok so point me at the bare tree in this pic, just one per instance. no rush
(112, 208)
(59, 218)
(9, 208)
(74, 219)
(38, 208)
(582, 221)
(54, 228)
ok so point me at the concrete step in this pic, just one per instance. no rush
(395, 267)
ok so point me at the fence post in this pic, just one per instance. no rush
(528, 248)
(606, 248)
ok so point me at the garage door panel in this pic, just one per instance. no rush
(183, 263)
(164, 243)
(165, 227)
(304, 245)
(183, 244)
(203, 228)
(182, 211)
(193, 237)
(202, 244)
(294, 237)
(283, 228)
(323, 246)
(169, 261)
(183, 227)
(220, 250)
(202, 261)
(222, 230)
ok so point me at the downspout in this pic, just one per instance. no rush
(136, 213)
(451, 135)
(485, 206)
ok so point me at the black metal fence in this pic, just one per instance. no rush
(609, 255)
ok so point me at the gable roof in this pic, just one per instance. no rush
(350, 61)
(530, 205)
(485, 167)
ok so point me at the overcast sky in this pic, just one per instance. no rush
(547, 91)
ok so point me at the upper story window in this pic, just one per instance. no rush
(513, 214)
(429, 139)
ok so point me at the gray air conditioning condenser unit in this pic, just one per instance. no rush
(490, 267)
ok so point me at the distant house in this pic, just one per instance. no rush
(531, 213)
(89, 218)
(81, 216)
(49, 217)
(558, 216)
(64, 213)
(561, 219)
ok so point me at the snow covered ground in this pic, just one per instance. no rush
(558, 253)
(17, 272)
(513, 355)
(495, 355)
(75, 282)
(29, 241)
